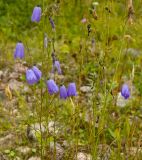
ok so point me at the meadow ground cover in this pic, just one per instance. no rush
(70, 80)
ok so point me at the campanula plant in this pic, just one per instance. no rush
(19, 50)
(63, 92)
(71, 91)
(125, 91)
(37, 72)
(36, 15)
(33, 75)
(52, 86)
(56, 65)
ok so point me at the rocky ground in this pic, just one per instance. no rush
(19, 140)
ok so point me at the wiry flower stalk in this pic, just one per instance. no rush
(130, 11)
(45, 40)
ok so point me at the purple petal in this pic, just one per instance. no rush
(63, 92)
(37, 72)
(71, 91)
(57, 66)
(36, 15)
(31, 77)
(52, 87)
(125, 92)
(19, 50)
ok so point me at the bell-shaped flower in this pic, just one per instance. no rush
(57, 67)
(37, 72)
(125, 91)
(31, 77)
(52, 86)
(19, 50)
(63, 92)
(71, 91)
(36, 15)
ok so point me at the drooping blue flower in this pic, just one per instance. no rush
(56, 66)
(71, 91)
(36, 15)
(52, 23)
(19, 50)
(52, 86)
(125, 91)
(63, 92)
(37, 72)
(31, 77)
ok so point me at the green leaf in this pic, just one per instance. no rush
(111, 133)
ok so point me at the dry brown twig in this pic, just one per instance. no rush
(130, 11)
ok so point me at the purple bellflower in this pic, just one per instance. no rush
(71, 91)
(19, 50)
(52, 86)
(36, 15)
(52, 23)
(63, 92)
(33, 75)
(56, 65)
(125, 91)
(37, 72)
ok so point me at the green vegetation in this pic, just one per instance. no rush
(99, 55)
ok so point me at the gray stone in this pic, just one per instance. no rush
(7, 140)
(15, 112)
(3, 157)
(34, 158)
(134, 150)
(133, 51)
(121, 101)
(2, 86)
(85, 89)
(26, 89)
(11, 103)
(17, 158)
(83, 156)
(37, 126)
(24, 150)
(19, 68)
(14, 75)
(5, 77)
(65, 144)
(59, 151)
(104, 152)
(15, 85)
(51, 127)
(33, 129)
